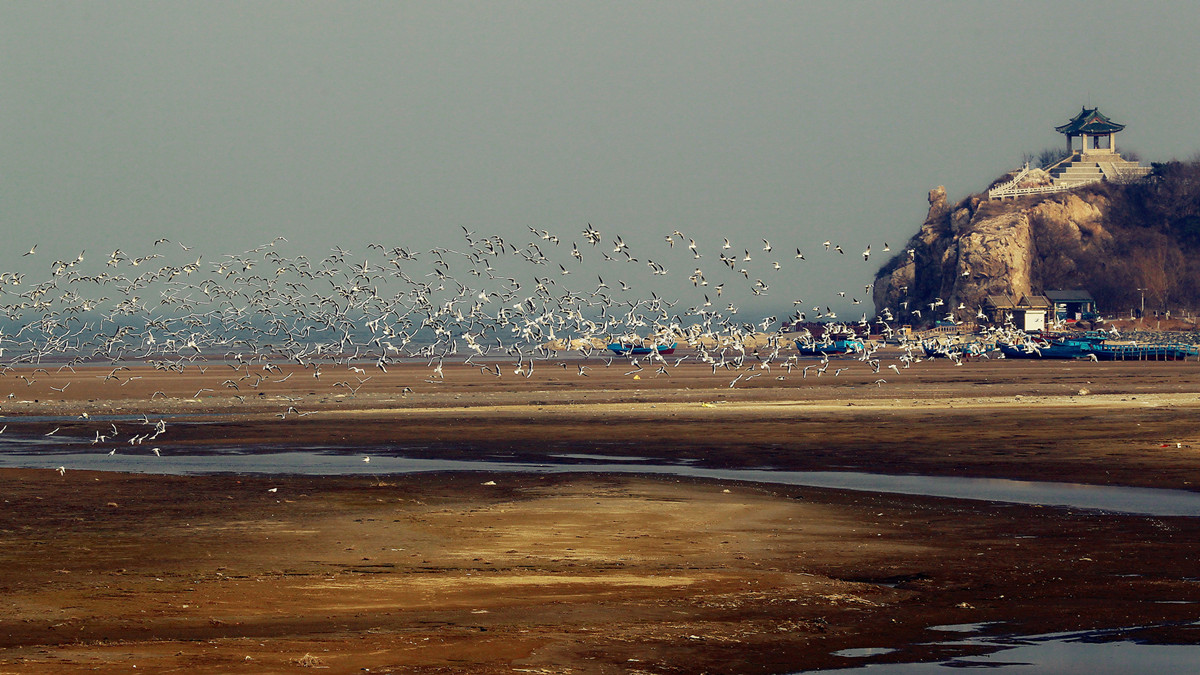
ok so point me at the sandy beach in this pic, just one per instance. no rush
(586, 573)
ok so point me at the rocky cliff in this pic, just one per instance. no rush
(975, 248)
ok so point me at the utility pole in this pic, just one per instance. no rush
(1143, 310)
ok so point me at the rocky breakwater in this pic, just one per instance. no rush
(979, 247)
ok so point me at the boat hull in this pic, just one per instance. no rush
(1099, 351)
(1047, 351)
(621, 349)
(834, 347)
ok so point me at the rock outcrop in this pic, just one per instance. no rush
(976, 248)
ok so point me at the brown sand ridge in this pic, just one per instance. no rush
(586, 573)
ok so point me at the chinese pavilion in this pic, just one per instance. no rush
(1096, 132)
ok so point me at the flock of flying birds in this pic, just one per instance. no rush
(485, 302)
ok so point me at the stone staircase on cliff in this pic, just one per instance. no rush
(1075, 171)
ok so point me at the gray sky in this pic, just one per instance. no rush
(225, 124)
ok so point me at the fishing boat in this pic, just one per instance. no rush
(1097, 347)
(1050, 347)
(952, 348)
(629, 349)
(844, 345)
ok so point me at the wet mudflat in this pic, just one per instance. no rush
(500, 572)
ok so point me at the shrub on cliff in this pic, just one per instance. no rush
(1156, 245)
(1167, 201)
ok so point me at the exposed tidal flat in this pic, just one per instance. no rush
(492, 571)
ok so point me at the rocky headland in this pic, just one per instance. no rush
(1112, 240)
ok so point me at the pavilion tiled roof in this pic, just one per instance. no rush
(1089, 121)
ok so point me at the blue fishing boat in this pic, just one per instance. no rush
(1097, 347)
(954, 350)
(838, 346)
(628, 349)
(1039, 348)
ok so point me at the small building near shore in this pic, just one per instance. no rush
(1027, 313)
(1073, 305)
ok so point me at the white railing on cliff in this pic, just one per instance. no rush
(1108, 171)
(1042, 189)
(1005, 186)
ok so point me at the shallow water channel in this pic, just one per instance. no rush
(38, 453)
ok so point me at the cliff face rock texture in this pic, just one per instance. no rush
(975, 248)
